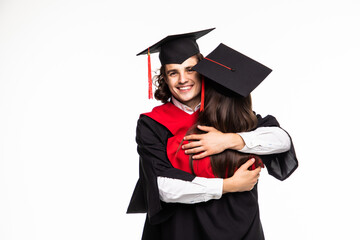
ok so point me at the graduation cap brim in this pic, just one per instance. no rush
(157, 46)
(177, 48)
(232, 70)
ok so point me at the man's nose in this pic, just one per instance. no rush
(182, 77)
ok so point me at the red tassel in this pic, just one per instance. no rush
(202, 94)
(149, 75)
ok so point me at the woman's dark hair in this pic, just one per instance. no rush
(162, 92)
(228, 112)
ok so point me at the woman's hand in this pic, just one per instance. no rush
(243, 179)
(211, 142)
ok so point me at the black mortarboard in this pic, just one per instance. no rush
(232, 70)
(177, 48)
(174, 49)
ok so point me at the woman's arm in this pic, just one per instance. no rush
(204, 189)
(243, 179)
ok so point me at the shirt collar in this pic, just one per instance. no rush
(183, 107)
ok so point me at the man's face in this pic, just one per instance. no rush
(184, 83)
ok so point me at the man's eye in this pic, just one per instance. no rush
(190, 70)
(172, 74)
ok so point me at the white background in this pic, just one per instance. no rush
(71, 90)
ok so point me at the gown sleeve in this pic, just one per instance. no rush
(280, 165)
(151, 138)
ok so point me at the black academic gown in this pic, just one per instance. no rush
(233, 216)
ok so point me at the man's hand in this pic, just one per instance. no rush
(243, 179)
(211, 142)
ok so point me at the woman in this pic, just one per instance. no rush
(228, 108)
(228, 113)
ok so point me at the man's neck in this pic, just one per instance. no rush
(184, 107)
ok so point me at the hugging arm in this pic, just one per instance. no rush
(268, 140)
(262, 140)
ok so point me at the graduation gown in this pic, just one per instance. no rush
(234, 216)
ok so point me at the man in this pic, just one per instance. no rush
(159, 181)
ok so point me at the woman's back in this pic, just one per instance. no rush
(228, 112)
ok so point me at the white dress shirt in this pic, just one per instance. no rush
(263, 140)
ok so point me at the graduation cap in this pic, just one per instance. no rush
(174, 49)
(232, 70)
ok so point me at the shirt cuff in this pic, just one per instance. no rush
(213, 187)
(247, 137)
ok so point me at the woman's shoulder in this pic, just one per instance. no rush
(267, 121)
